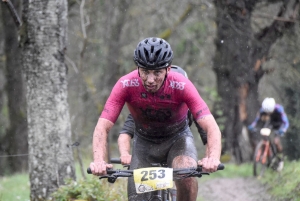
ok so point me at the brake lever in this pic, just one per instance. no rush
(110, 178)
(199, 174)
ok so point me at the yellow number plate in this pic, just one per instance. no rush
(152, 179)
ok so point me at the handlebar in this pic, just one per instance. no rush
(180, 173)
(118, 161)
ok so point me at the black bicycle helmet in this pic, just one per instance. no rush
(153, 53)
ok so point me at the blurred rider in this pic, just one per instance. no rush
(277, 118)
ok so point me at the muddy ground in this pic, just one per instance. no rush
(233, 189)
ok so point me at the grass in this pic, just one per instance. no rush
(284, 185)
(15, 187)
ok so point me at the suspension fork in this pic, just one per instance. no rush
(265, 153)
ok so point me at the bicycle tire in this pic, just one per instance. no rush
(259, 167)
(274, 160)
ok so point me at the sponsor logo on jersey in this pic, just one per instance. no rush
(177, 85)
(130, 83)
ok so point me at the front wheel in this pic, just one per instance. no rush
(260, 164)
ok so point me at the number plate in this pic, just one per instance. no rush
(152, 179)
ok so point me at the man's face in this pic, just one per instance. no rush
(153, 79)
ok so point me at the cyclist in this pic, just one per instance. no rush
(158, 101)
(127, 131)
(275, 115)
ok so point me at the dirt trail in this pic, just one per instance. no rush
(233, 189)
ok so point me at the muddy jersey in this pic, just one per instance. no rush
(158, 115)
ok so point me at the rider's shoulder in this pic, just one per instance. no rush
(279, 108)
(176, 77)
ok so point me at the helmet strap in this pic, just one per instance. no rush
(139, 71)
(166, 74)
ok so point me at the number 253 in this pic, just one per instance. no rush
(152, 174)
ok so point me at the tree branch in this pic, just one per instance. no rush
(284, 21)
(13, 12)
(167, 33)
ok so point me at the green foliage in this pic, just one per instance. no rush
(284, 185)
(92, 190)
(292, 139)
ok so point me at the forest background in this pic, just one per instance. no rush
(235, 52)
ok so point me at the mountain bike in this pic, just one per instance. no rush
(157, 179)
(265, 155)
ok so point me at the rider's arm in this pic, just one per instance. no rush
(206, 121)
(124, 148)
(210, 126)
(124, 139)
(109, 115)
(284, 118)
(98, 166)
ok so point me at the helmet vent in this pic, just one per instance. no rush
(157, 54)
(161, 41)
(146, 41)
(170, 54)
(146, 54)
(152, 49)
(154, 39)
(164, 56)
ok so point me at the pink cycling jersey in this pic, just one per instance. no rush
(158, 114)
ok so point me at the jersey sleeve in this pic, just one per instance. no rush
(284, 118)
(195, 103)
(114, 103)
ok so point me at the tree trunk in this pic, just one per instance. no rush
(15, 141)
(49, 132)
(238, 65)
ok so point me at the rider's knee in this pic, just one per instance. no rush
(184, 162)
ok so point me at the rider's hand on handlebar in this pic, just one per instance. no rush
(125, 159)
(99, 168)
(209, 164)
(252, 128)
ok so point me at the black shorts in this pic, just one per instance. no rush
(145, 153)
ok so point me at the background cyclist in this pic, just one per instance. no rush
(159, 101)
(127, 131)
(275, 115)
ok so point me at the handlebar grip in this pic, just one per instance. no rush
(89, 171)
(115, 160)
(221, 166)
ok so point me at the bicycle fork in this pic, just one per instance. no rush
(265, 153)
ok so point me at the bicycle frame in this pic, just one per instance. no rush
(264, 154)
